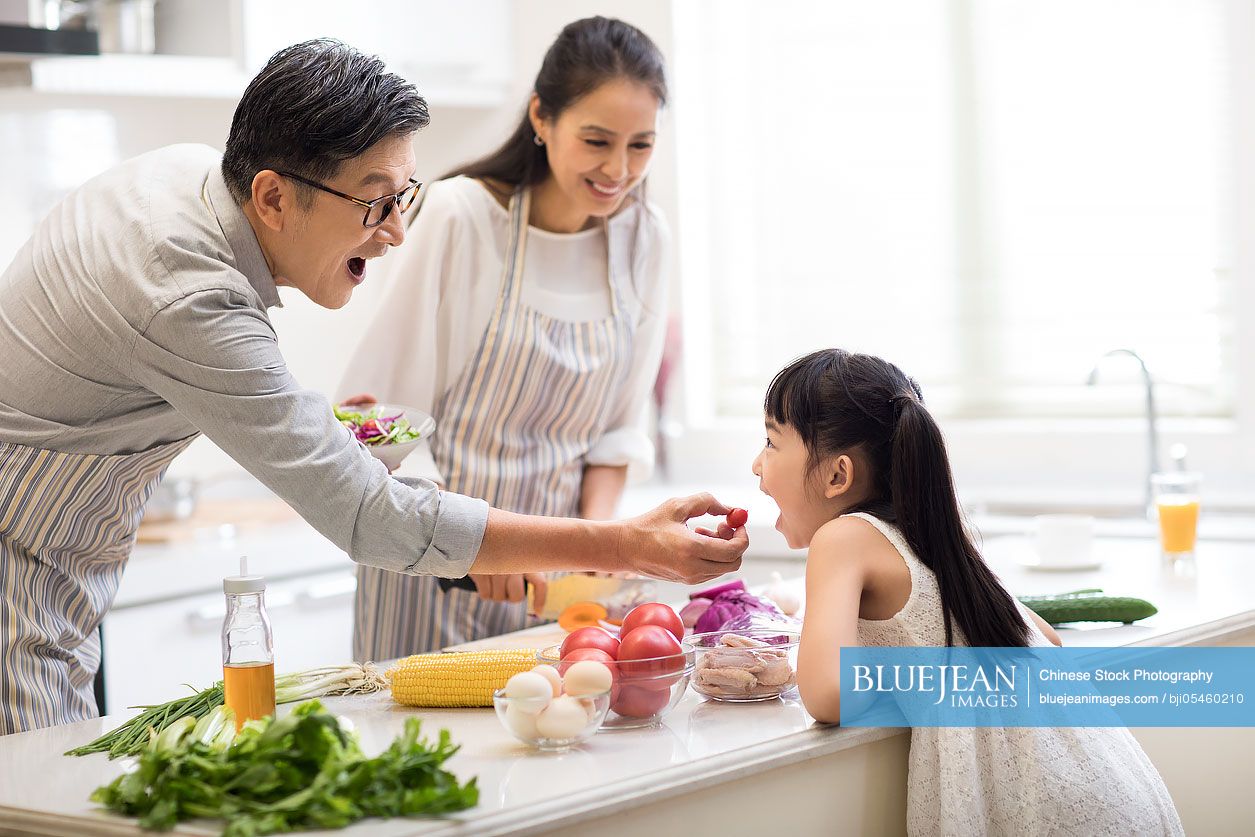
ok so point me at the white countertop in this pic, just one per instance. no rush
(701, 743)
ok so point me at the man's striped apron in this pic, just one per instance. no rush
(67, 525)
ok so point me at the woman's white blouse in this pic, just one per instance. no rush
(444, 284)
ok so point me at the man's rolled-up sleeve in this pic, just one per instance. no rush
(213, 355)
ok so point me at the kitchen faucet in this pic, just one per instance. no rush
(1152, 432)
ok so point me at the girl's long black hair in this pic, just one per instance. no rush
(838, 401)
(587, 54)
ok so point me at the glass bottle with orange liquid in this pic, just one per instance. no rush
(248, 660)
(1177, 505)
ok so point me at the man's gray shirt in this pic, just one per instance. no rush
(136, 315)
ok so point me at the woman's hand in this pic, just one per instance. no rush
(512, 588)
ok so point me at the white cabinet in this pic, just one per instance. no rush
(153, 650)
(457, 54)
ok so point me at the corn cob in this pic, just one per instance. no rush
(461, 678)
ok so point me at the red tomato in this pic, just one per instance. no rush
(638, 652)
(738, 518)
(591, 637)
(635, 702)
(654, 613)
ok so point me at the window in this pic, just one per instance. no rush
(991, 193)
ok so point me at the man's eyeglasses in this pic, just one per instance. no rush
(378, 210)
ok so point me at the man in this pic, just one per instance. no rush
(135, 319)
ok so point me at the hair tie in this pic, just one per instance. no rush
(901, 400)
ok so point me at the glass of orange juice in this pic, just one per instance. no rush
(1177, 505)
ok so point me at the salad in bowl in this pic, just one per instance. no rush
(389, 431)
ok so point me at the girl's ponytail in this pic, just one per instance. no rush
(926, 509)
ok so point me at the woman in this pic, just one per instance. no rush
(528, 318)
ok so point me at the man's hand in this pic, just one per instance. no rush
(512, 588)
(660, 544)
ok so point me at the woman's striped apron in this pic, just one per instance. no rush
(67, 525)
(514, 430)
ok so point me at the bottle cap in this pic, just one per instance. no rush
(243, 583)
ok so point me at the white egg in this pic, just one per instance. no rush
(562, 718)
(587, 677)
(551, 674)
(590, 707)
(522, 724)
(530, 690)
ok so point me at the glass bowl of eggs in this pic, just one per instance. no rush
(643, 690)
(552, 711)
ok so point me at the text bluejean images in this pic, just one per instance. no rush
(1047, 687)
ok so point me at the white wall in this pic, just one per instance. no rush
(48, 143)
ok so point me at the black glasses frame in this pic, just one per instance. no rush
(402, 199)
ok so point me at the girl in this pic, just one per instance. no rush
(527, 316)
(859, 470)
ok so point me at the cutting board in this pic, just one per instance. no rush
(566, 590)
(212, 515)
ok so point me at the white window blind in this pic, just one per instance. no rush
(991, 193)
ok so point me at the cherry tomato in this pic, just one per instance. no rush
(648, 655)
(653, 613)
(738, 518)
(591, 637)
(635, 702)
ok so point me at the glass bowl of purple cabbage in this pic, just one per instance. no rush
(746, 664)
(389, 431)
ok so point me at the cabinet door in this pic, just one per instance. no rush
(153, 653)
(426, 41)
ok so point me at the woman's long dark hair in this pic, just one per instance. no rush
(838, 401)
(587, 54)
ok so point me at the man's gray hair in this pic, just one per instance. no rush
(313, 106)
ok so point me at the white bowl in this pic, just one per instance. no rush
(392, 455)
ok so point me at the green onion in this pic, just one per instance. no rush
(132, 737)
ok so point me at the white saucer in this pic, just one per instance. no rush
(1032, 562)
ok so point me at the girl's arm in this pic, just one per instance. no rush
(1050, 632)
(600, 491)
(836, 568)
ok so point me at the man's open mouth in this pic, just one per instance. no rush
(357, 266)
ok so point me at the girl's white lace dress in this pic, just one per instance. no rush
(1016, 781)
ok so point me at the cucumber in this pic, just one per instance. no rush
(1086, 606)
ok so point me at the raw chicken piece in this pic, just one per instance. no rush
(731, 658)
(777, 673)
(734, 678)
(738, 641)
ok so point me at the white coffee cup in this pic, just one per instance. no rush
(1064, 540)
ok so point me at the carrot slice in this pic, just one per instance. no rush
(581, 615)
